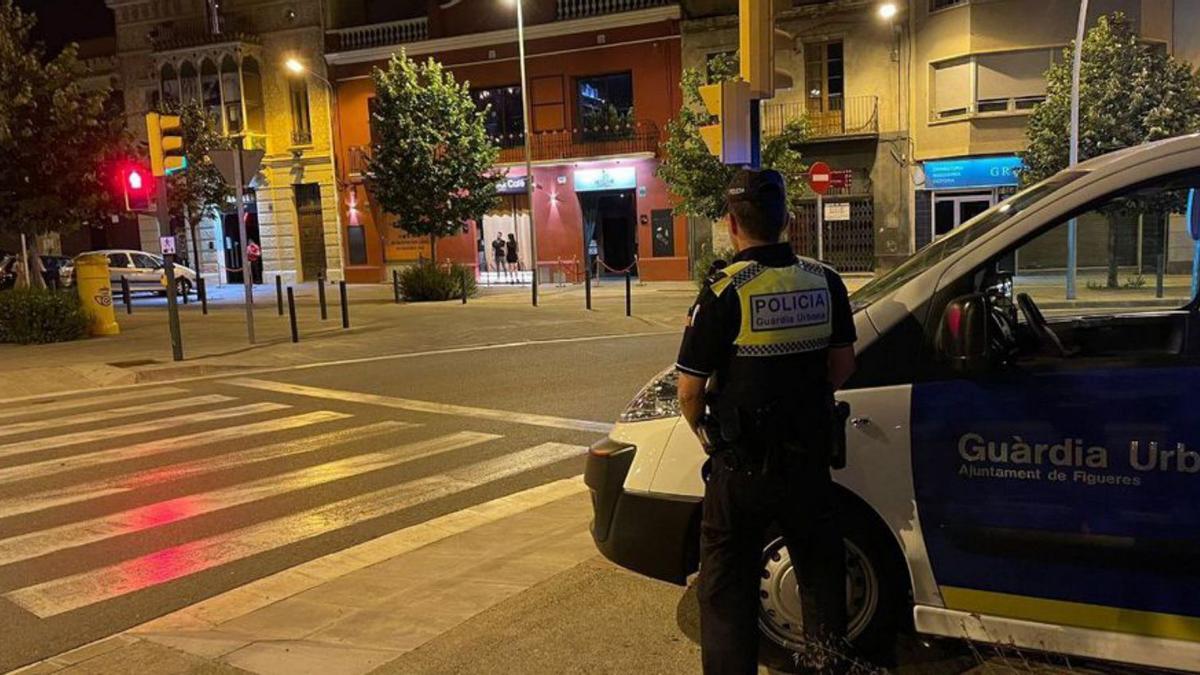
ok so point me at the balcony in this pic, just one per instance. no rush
(851, 117)
(578, 9)
(378, 35)
(550, 146)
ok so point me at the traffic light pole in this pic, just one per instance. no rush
(755, 134)
(164, 228)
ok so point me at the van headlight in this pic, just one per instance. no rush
(657, 400)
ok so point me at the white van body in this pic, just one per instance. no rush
(990, 542)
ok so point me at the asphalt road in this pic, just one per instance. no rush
(118, 508)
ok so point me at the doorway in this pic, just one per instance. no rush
(955, 208)
(233, 239)
(610, 219)
(312, 230)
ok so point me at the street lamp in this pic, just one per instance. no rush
(887, 10)
(530, 183)
(296, 67)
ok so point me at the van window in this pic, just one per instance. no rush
(970, 231)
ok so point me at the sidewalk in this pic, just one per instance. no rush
(217, 343)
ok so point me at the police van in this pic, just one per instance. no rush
(1024, 442)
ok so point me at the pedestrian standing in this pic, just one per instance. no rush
(498, 252)
(514, 265)
(768, 341)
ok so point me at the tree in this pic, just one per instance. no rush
(1129, 93)
(431, 164)
(200, 191)
(60, 144)
(697, 177)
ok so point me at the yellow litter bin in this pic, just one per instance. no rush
(91, 277)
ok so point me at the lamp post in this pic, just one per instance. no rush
(530, 183)
(1072, 227)
(296, 67)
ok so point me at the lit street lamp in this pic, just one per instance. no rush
(530, 183)
(296, 67)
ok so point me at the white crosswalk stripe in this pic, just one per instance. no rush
(97, 458)
(190, 526)
(158, 475)
(158, 407)
(59, 405)
(93, 435)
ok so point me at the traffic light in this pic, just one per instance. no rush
(758, 40)
(136, 186)
(166, 144)
(729, 138)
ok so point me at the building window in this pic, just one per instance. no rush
(231, 92)
(301, 121)
(951, 88)
(824, 76)
(1011, 80)
(935, 5)
(990, 83)
(605, 105)
(170, 86)
(505, 117)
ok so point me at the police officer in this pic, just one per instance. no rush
(768, 341)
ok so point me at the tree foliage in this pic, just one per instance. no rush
(200, 191)
(1129, 93)
(432, 161)
(696, 176)
(60, 144)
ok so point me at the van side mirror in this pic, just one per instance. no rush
(963, 338)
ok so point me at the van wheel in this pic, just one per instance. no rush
(876, 596)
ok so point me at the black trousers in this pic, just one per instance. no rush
(740, 503)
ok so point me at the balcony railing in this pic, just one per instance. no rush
(849, 116)
(577, 9)
(379, 34)
(638, 138)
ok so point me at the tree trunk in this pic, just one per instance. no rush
(193, 239)
(433, 249)
(37, 277)
(1113, 281)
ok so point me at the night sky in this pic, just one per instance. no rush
(63, 21)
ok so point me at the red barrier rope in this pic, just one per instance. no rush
(617, 271)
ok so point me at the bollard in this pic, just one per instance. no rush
(279, 293)
(463, 282)
(184, 289)
(628, 294)
(587, 288)
(396, 285)
(345, 304)
(202, 291)
(125, 295)
(321, 295)
(292, 314)
(1160, 272)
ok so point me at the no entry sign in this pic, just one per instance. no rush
(819, 176)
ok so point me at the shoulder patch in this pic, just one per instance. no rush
(811, 266)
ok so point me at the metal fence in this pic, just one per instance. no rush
(848, 116)
(378, 34)
(849, 245)
(640, 137)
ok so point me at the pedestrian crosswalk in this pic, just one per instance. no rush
(99, 502)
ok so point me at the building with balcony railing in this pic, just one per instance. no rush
(604, 82)
(229, 62)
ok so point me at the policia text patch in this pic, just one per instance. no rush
(792, 309)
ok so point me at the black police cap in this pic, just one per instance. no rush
(761, 187)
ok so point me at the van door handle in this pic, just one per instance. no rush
(860, 422)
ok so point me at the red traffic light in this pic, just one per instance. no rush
(135, 179)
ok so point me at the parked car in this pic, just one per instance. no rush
(143, 270)
(8, 272)
(52, 267)
(1011, 478)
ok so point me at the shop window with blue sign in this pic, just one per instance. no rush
(605, 105)
(972, 172)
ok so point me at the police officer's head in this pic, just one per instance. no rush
(757, 203)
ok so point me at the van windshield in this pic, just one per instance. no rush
(968, 232)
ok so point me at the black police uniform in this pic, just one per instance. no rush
(772, 399)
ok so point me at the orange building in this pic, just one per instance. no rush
(604, 81)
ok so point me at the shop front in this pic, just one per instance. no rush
(957, 190)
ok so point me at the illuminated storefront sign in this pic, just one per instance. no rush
(972, 172)
(619, 178)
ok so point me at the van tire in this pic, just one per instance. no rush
(874, 634)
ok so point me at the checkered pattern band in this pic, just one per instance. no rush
(746, 274)
(810, 266)
(783, 348)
